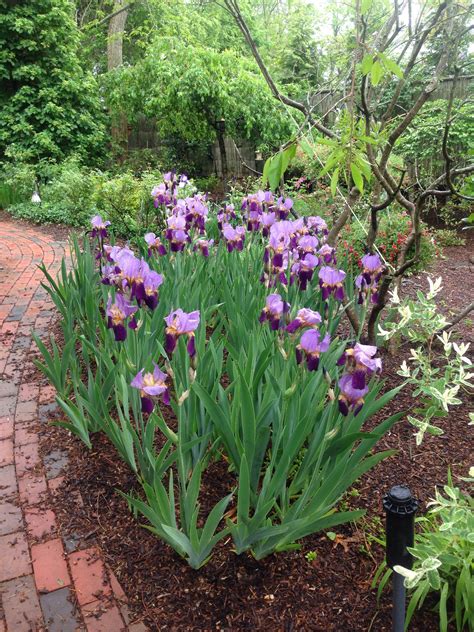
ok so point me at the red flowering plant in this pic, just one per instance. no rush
(394, 229)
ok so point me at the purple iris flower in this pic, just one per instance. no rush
(175, 222)
(361, 359)
(117, 313)
(307, 243)
(327, 253)
(99, 227)
(353, 391)
(304, 268)
(178, 240)
(180, 323)
(183, 180)
(367, 282)
(274, 311)
(331, 282)
(161, 195)
(311, 346)
(151, 385)
(280, 241)
(317, 224)
(151, 283)
(304, 318)
(196, 214)
(154, 244)
(253, 202)
(224, 216)
(203, 245)
(234, 237)
(267, 220)
(114, 253)
(254, 220)
(134, 271)
(284, 207)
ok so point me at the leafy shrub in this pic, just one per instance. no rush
(446, 237)
(444, 559)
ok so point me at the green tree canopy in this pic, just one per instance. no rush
(188, 87)
(49, 106)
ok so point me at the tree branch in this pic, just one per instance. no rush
(234, 9)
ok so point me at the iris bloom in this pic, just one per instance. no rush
(280, 241)
(151, 283)
(304, 318)
(253, 220)
(274, 310)
(361, 358)
(353, 391)
(331, 281)
(154, 244)
(317, 224)
(307, 244)
(367, 282)
(327, 254)
(99, 227)
(162, 194)
(311, 346)
(151, 385)
(234, 237)
(267, 221)
(117, 313)
(197, 212)
(284, 207)
(133, 272)
(203, 246)
(180, 323)
(304, 268)
(224, 216)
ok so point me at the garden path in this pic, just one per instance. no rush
(45, 583)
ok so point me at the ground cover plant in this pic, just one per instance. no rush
(194, 349)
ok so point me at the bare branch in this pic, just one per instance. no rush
(114, 14)
(344, 216)
(457, 319)
(234, 10)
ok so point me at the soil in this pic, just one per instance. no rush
(285, 591)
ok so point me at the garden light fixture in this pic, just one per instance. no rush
(400, 508)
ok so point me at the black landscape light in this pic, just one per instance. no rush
(400, 508)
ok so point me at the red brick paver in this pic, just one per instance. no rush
(41, 587)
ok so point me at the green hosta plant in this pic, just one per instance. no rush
(444, 560)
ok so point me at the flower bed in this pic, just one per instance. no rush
(231, 321)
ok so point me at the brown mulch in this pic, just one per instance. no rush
(285, 591)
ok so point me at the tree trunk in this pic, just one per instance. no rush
(119, 128)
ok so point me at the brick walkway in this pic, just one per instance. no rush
(44, 585)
